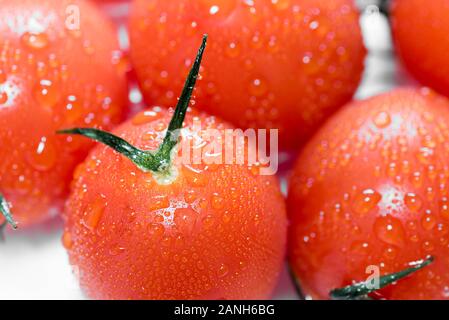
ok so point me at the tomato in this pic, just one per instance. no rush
(420, 37)
(284, 64)
(54, 73)
(369, 192)
(202, 230)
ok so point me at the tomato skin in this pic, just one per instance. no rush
(285, 65)
(216, 232)
(420, 37)
(51, 78)
(370, 189)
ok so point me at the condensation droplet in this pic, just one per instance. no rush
(47, 93)
(389, 230)
(223, 271)
(44, 156)
(382, 120)
(35, 40)
(413, 202)
(365, 201)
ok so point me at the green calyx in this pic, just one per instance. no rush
(362, 289)
(6, 212)
(158, 160)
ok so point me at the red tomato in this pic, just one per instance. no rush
(284, 64)
(420, 35)
(53, 74)
(215, 232)
(370, 189)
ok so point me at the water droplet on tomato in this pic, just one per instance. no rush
(223, 271)
(145, 117)
(258, 87)
(217, 202)
(93, 214)
(365, 201)
(44, 156)
(428, 222)
(73, 109)
(444, 208)
(35, 40)
(67, 240)
(232, 50)
(389, 230)
(382, 120)
(413, 202)
(156, 230)
(47, 93)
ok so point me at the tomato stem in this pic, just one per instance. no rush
(384, 7)
(362, 289)
(6, 212)
(160, 159)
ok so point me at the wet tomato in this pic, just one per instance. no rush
(369, 194)
(285, 64)
(420, 37)
(60, 65)
(160, 228)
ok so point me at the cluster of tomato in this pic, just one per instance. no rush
(370, 187)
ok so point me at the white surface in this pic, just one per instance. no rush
(33, 263)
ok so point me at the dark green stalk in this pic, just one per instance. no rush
(362, 289)
(6, 212)
(158, 160)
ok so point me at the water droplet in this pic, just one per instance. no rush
(67, 240)
(425, 155)
(232, 50)
(217, 202)
(389, 230)
(382, 120)
(444, 208)
(35, 40)
(258, 87)
(214, 10)
(158, 203)
(428, 222)
(413, 202)
(156, 230)
(73, 109)
(45, 155)
(223, 271)
(365, 201)
(359, 247)
(93, 214)
(146, 116)
(116, 250)
(281, 4)
(47, 93)
(390, 253)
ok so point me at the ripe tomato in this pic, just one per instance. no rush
(284, 64)
(420, 36)
(53, 74)
(370, 191)
(203, 231)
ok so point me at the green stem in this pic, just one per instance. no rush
(384, 7)
(6, 212)
(160, 159)
(362, 289)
